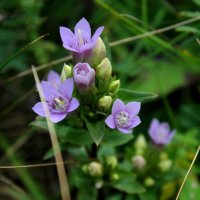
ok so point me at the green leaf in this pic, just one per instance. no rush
(96, 130)
(128, 185)
(9, 59)
(129, 95)
(115, 138)
(77, 136)
(188, 29)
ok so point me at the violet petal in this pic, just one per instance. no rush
(124, 130)
(110, 122)
(117, 106)
(57, 117)
(136, 121)
(133, 108)
(48, 90)
(97, 33)
(67, 87)
(54, 78)
(83, 25)
(74, 104)
(38, 108)
(66, 35)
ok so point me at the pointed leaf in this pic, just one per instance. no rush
(129, 95)
(96, 130)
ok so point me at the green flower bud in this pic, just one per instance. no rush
(138, 162)
(66, 72)
(114, 86)
(104, 69)
(111, 161)
(149, 182)
(99, 184)
(95, 169)
(85, 168)
(98, 53)
(165, 165)
(105, 102)
(114, 176)
(163, 156)
(140, 144)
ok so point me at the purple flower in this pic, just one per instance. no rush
(54, 78)
(59, 101)
(84, 76)
(80, 41)
(160, 132)
(124, 117)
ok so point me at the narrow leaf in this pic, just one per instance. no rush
(129, 95)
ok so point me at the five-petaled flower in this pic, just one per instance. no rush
(58, 101)
(80, 42)
(124, 117)
(160, 132)
(84, 76)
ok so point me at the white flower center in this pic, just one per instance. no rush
(122, 119)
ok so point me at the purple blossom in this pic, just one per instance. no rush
(84, 76)
(54, 78)
(59, 101)
(124, 117)
(81, 41)
(160, 132)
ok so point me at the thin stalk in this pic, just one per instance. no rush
(184, 180)
(64, 187)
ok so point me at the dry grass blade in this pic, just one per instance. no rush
(55, 144)
(148, 34)
(36, 165)
(184, 180)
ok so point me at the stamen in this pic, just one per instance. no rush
(122, 118)
(80, 38)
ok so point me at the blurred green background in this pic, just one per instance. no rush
(167, 64)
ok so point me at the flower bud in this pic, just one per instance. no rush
(114, 176)
(140, 144)
(148, 182)
(66, 72)
(138, 162)
(105, 102)
(114, 86)
(99, 184)
(98, 53)
(95, 169)
(104, 69)
(85, 168)
(163, 156)
(111, 161)
(165, 165)
(84, 76)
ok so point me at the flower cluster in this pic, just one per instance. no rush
(95, 88)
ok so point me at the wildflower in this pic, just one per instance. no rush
(124, 117)
(84, 76)
(80, 42)
(58, 101)
(114, 86)
(54, 78)
(160, 132)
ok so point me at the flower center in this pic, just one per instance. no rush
(123, 119)
(82, 70)
(60, 104)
